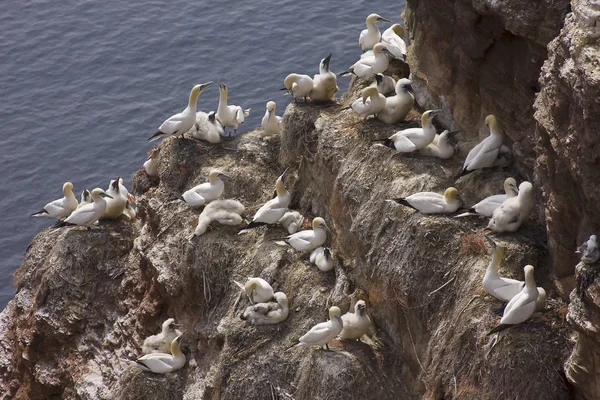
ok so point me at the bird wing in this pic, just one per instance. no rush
(473, 153)
(301, 240)
(403, 144)
(488, 205)
(82, 215)
(485, 157)
(172, 124)
(317, 333)
(519, 309)
(238, 112)
(269, 215)
(155, 364)
(506, 288)
(193, 198)
(427, 202)
(361, 38)
(55, 208)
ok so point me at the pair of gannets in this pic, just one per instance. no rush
(432, 203)
(487, 206)
(206, 192)
(225, 212)
(150, 165)
(179, 124)
(371, 103)
(324, 332)
(590, 253)
(89, 213)
(321, 257)
(368, 67)
(257, 289)
(116, 203)
(292, 221)
(268, 313)
(271, 123)
(440, 147)
(228, 115)
(309, 239)
(413, 139)
(398, 106)
(484, 155)
(513, 211)
(393, 41)
(370, 36)
(385, 84)
(273, 210)
(62, 207)
(161, 342)
(163, 363)
(208, 127)
(324, 83)
(357, 323)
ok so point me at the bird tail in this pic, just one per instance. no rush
(254, 224)
(499, 328)
(464, 172)
(346, 108)
(402, 200)
(41, 213)
(241, 286)
(281, 242)
(156, 135)
(283, 88)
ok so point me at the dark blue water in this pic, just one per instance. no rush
(84, 83)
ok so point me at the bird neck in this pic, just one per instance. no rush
(176, 349)
(530, 280)
(222, 98)
(492, 269)
(193, 100)
(372, 27)
(68, 193)
(280, 188)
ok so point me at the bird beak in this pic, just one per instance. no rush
(326, 227)
(410, 89)
(433, 112)
(115, 184)
(383, 19)
(106, 195)
(379, 78)
(205, 85)
(514, 187)
(489, 239)
(225, 175)
(327, 60)
(282, 176)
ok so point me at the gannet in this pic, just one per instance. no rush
(397, 107)
(432, 203)
(208, 127)
(257, 289)
(150, 165)
(116, 203)
(273, 210)
(385, 84)
(298, 85)
(487, 206)
(230, 116)
(412, 139)
(370, 66)
(393, 39)
(370, 36)
(129, 211)
(522, 306)
(309, 239)
(86, 198)
(206, 192)
(590, 253)
(163, 363)
(268, 313)
(60, 208)
(292, 221)
(161, 342)
(440, 147)
(356, 323)
(321, 257)
(513, 211)
(225, 212)
(371, 103)
(179, 124)
(90, 213)
(324, 332)
(485, 153)
(324, 83)
(271, 123)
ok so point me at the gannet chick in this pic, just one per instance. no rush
(370, 66)
(271, 123)
(590, 253)
(397, 107)
(485, 153)
(371, 103)
(230, 116)
(505, 157)
(269, 313)
(432, 203)
(299, 86)
(150, 165)
(257, 289)
(206, 192)
(440, 147)
(356, 323)
(273, 210)
(86, 198)
(324, 332)
(385, 84)
(208, 127)
(60, 208)
(179, 124)
(412, 139)
(225, 212)
(90, 213)
(161, 342)
(324, 83)
(292, 221)
(129, 211)
(487, 206)
(522, 306)
(163, 363)
(321, 257)
(310, 239)
(116, 203)
(370, 36)
(514, 211)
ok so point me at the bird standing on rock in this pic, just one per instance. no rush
(324, 83)
(60, 208)
(432, 203)
(412, 139)
(309, 239)
(484, 155)
(371, 36)
(230, 116)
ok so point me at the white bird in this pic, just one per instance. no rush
(86, 198)
(440, 147)
(371, 36)
(590, 253)
(116, 203)
(385, 84)
(179, 124)
(273, 210)
(324, 83)
(268, 313)
(230, 116)
(225, 212)
(292, 221)
(129, 211)
(161, 342)
(271, 123)
(299, 86)
(412, 139)
(487, 206)
(522, 306)
(163, 363)
(309, 239)
(206, 192)
(369, 66)
(484, 155)
(208, 127)
(432, 203)
(321, 257)
(393, 39)
(60, 208)
(150, 165)
(324, 332)
(371, 103)
(257, 289)
(514, 211)
(397, 107)
(356, 323)
(90, 213)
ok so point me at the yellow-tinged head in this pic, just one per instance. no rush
(271, 106)
(451, 194)
(427, 116)
(196, 90)
(68, 188)
(369, 91)
(492, 122)
(98, 193)
(378, 48)
(290, 80)
(335, 312)
(529, 276)
(510, 187)
(372, 18)
(215, 174)
(319, 223)
(280, 184)
(176, 346)
(398, 30)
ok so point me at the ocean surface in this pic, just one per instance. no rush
(84, 83)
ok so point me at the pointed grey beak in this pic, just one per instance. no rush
(282, 176)
(106, 195)
(205, 85)
(514, 187)
(383, 19)
(225, 175)
(379, 78)
(489, 239)
(409, 89)
(327, 60)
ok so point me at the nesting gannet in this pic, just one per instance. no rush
(230, 116)
(590, 253)
(385, 84)
(412, 139)
(432, 203)
(370, 36)
(257, 289)
(299, 86)
(513, 211)
(60, 208)
(369, 66)
(324, 83)
(371, 103)
(522, 306)
(179, 124)
(356, 323)
(487, 206)
(397, 107)
(268, 313)
(393, 39)
(116, 203)
(440, 147)
(206, 192)
(208, 127)
(225, 212)
(150, 165)
(292, 221)
(273, 210)
(90, 213)
(485, 153)
(324, 332)
(271, 123)
(321, 257)
(163, 363)
(161, 342)
(86, 198)
(309, 239)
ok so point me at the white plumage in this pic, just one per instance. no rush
(310, 239)
(299, 86)
(90, 213)
(371, 103)
(413, 139)
(590, 253)
(161, 342)
(356, 323)
(271, 123)
(208, 127)
(60, 208)
(321, 257)
(273, 210)
(440, 147)
(163, 363)
(116, 203)
(432, 203)
(324, 332)
(230, 116)
(257, 289)
(206, 192)
(225, 212)
(324, 83)
(513, 211)
(292, 221)
(398, 106)
(393, 40)
(370, 36)
(268, 313)
(487, 206)
(367, 67)
(484, 155)
(86, 198)
(385, 84)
